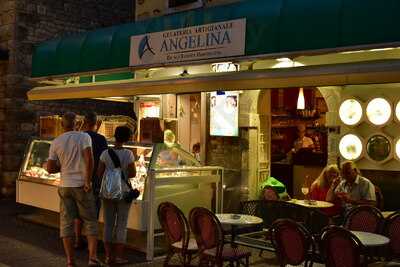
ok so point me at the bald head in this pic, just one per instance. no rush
(68, 121)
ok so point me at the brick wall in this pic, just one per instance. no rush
(24, 23)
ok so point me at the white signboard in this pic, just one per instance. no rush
(216, 40)
(224, 114)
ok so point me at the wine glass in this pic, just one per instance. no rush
(305, 189)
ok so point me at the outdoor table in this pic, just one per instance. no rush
(371, 239)
(235, 220)
(318, 204)
(387, 213)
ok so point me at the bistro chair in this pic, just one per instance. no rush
(177, 233)
(379, 198)
(392, 231)
(341, 248)
(364, 218)
(293, 243)
(210, 240)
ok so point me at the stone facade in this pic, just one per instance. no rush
(24, 23)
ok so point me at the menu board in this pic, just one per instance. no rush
(224, 114)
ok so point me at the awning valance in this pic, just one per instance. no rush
(274, 26)
(382, 71)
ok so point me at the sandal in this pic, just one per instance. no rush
(95, 262)
(121, 261)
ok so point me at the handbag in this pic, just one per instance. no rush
(126, 193)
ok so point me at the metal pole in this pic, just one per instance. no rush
(150, 226)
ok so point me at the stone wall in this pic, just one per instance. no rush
(23, 24)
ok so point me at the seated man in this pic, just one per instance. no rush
(354, 189)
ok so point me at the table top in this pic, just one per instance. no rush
(371, 239)
(318, 204)
(238, 219)
(387, 213)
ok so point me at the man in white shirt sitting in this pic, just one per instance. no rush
(71, 153)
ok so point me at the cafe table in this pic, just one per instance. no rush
(317, 204)
(371, 239)
(235, 220)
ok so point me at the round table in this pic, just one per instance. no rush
(235, 220)
(318, 204)
(371, 239)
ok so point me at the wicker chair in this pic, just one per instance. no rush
(210, 240)
(177, 233)
(379, 198)
(341, 248)
(364, 218)
(392, 230)
(293, 243)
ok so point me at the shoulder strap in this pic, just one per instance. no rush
(114, 157)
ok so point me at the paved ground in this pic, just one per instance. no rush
(27, 244)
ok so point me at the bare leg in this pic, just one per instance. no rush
(92, 245)
(108, 247)
(78, 233)
(68, 248)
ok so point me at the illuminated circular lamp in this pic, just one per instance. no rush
(350, 112)
(379, 148)
(397, 148)
(350, 147)
(397, 111)
(378, 111)
(169, 138)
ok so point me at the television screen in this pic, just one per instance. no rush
(224, 114)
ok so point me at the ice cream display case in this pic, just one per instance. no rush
(163, 173)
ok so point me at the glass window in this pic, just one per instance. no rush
(378, 147)
(350, 147)
(379, 111)
(350, 112)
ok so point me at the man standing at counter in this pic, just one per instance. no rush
(353, 189)
(71, 153)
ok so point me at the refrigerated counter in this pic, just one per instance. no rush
(163, 173)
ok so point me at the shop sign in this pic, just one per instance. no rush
(216, 40)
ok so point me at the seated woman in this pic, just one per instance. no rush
(323, 187)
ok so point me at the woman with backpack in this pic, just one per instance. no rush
(116, 163)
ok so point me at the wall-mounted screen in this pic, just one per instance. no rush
(224, 114)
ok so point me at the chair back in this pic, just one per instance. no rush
(291, 241)
(364, 218)
(341, 248)
(251, 207)
(270, 193)
(392, 230)
(207, 229)
(174, 224)
(380, 204)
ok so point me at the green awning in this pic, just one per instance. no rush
(273, 26)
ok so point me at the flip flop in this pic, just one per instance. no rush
(95, 262)
(121, 261)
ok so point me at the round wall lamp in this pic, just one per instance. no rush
(351, 112)
(397, 148)
(378, 148)
(397, 111)
(351, 147)
(379, 111)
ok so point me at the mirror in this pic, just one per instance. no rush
(378, 147)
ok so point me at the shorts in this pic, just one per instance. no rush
(76, 203)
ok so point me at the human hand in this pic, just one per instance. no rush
(344, 197)
(335, 182)
(87, 186)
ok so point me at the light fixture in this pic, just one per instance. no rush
(350, 147)
(301, 103)
(285, 62)
(379, 111)
(225, 67)
(350, 111)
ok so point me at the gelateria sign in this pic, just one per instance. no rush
(216, 40)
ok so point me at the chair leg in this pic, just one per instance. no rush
(168, 258)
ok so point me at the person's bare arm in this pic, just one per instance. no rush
(52, 166)
(88, 159)
(330, 195)
(100, 169)
(131, 170)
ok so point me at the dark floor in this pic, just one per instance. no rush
(27, 244)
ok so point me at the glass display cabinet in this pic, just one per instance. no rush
(163, 173)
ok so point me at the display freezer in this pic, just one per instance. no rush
(163, 173)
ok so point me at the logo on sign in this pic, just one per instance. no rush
(144, 47)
